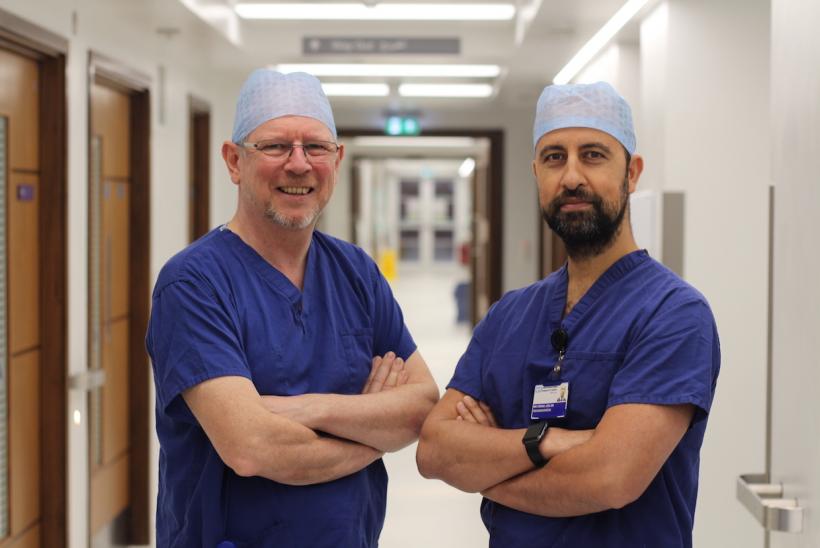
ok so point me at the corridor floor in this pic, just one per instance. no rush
(420, 512)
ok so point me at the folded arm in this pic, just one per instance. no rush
(255, 442)
(474, 455)
(612, 469)
(387, 415)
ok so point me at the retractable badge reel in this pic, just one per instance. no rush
(549, 401)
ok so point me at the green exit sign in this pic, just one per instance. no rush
(402, 125)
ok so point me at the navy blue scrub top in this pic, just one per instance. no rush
(220, 309)
(639, 335)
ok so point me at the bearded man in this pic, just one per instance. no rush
(579, 408)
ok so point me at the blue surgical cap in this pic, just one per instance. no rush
(268, 94)
(597, 106)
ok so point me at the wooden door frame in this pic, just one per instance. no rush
(103, 69)
(496, 190)
(199, 218)
(50, 51)
(556, 252)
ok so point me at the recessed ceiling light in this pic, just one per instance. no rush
(601, 38)
(432, 11)
(356, 90)
(386, 70)
(466, 168)
(445, 90)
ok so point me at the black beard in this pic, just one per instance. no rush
(587, 234)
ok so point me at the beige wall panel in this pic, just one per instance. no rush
(116, 232)
(109, 493)
(24, 440)
(110, 119)
(115, 391)
(23, 272)
(19, 99)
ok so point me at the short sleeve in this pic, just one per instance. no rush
(674, 360)
(191, 338)
(389, 331)
(467, 377)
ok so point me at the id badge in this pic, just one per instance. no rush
(549, 401)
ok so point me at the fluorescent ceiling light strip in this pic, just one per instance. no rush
(356, 90)
(415, 142)
(445, 90)
(601, 38)
(388, 70)
(380, 12)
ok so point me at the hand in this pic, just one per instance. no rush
(386, 373)
(478, 412)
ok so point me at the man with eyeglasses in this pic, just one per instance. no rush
(283, 367)
(579, 408)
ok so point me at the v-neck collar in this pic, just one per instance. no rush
(270, 274)
(618, 270)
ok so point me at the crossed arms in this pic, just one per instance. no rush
(588, 471)
(314, 438)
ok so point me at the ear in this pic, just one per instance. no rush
(231, 155)
(339, 155)
(634, 171)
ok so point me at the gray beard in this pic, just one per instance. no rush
(292, 223)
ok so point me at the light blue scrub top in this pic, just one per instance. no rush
(639, 335)
(220, 309)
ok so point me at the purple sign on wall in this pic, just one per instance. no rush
(25, 193)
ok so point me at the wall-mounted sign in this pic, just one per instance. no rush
(323, 45)
(25, 193)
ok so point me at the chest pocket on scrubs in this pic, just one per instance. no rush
(589, 375)
(357, 345)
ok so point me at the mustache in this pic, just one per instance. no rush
(578, 193)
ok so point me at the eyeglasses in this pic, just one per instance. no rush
(315, 151)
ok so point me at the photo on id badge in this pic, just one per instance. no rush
(549, 401)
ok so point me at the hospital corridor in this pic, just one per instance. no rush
(454, 174)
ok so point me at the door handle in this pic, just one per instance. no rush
(766, 503)
(88, 380)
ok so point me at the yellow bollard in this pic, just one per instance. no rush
(387, 264)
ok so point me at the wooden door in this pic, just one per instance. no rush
(110, 191)
(20, 340)
(553, 253)
(199, 181)
(481, 253)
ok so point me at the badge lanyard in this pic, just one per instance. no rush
(560, 341)
(550, 400)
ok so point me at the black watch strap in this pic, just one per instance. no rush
(532, 440)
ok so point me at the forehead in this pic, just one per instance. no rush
(292, 126)
(573, 137)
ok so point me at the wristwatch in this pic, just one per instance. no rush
(532, 439)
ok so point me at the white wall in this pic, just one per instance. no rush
(618, 64)
(796, 310)
(705, 83)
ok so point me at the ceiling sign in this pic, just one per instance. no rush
(314, 45)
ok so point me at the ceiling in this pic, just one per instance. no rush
(531, 48)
